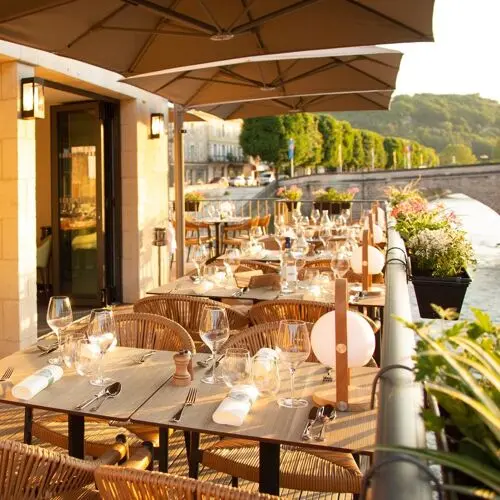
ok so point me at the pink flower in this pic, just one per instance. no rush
(353, 190)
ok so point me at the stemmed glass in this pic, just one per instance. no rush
(296, 216)
(340, 263)
(102, 334)
(293, 346)
(315, 216)
(199, 256)
(232, 258)
(214, 331)
(59, 316)
(255, 234)
(236, 367)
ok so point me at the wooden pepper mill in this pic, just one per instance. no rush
(183, 368)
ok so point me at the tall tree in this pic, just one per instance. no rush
(264, 137)
(331, 131)
(358, 159)
(459, 154)
(347, 142)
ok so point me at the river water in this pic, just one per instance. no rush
(483, 227)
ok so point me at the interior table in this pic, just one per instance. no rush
(217, 222)
(139, 382)
(267, 423)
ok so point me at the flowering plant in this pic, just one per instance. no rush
(397, 195)
(194, 196)
(442, 252)
(293, 193)
(332, 195)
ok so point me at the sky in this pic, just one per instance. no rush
(465, 57)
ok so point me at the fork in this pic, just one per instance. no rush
(190, 400)
(142, 359)
(8, 373)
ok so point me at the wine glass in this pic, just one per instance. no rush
(102, 335)
(236, 367)
(304, 221)
(315, 216)
(86, 357)
(340, 263)
(255, 233)
(214, 331)
(199, 256)
(59, 316)
(266, 375)
(293, 346)
(296, 216)
(232, 257)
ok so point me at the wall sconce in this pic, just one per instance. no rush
(32, 98)
(157, 125)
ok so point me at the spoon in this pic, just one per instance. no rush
(110, 392)
(329, 414)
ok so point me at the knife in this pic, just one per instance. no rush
(95, 397)
(48, 351)
(314, 414)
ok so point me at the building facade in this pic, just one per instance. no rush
(212, 149)
(90, 174)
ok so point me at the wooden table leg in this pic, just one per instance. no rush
(163, 458)
(76, 436)
(28, 423)
(194, 455)
(269, 468)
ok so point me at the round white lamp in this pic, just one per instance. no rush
(375, 260)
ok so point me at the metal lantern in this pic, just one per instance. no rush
(157, 125)
(32, 98)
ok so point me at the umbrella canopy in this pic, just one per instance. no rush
(359, 101)
(299, 73)
(139, 36)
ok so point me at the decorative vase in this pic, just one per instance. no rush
(444, 292)
(333, 207)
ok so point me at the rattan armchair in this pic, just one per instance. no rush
(261, 266)
(117, 483)
(186, 311)
(233, 236)
(31, 472)
(275, 310)
(141, 330)
(324, 265)
(264, 222)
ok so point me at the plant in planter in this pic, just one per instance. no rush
(460, 368)
(397, 195)
(332, 200)
(192, 201)
(291, 195)
(439, 261)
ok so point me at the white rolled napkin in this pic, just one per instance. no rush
(37, 382)
(235, 407)
(266, 352)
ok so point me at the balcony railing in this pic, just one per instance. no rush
(228, 158)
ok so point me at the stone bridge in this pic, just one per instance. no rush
(481, 182)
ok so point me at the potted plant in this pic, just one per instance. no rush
(291, 196)
(439, 260)
(460, 370)
(396, 195)
(334, 201)
(192, 201)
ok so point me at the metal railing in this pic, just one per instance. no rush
(394, 475)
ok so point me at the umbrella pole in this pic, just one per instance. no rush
(179, 188)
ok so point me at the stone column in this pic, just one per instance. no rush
(18, 306)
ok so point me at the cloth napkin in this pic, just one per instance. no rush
(266, 352)
(235, 407)
(37, 382)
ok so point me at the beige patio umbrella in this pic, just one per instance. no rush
(316, 103)
(138, 36)
(313, 72)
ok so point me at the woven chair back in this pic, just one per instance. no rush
(150, 331)
(261, 266)
(187, 310)
(276, 310)
(118, 483)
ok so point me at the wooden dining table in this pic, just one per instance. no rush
(149, 397)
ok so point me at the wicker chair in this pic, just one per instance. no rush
(275, 310)
(271, 243)
(187, 310)
(194, 235)
(264, 222)
(117, 483)
(141, 330)
(261, 266)
(232, 236)
(323, 265)
(31, 472)
(301, 469)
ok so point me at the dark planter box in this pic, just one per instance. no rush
(444, 292)
(333, 207)
(189, 206)
(292, 205)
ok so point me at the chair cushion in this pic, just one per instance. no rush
(300, 469)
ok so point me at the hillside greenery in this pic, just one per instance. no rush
(321, 140)
(438, 121)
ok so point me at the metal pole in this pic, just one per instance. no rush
(179, 188)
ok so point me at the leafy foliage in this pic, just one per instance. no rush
(436, 121)
(264, 137)
(457, 153)
(460, 367)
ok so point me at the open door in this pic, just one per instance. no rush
(84, 219)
